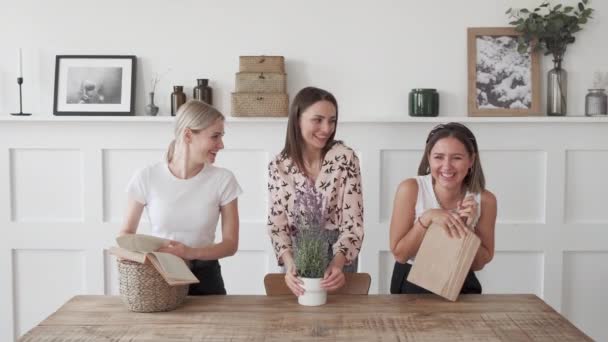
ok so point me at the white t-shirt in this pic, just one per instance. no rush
(184, 210)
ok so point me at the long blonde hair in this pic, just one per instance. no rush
(195, 115)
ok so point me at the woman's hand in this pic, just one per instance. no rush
(451, 222)
(179, 249)
(291, 275)
(334, 278)
(468, 210)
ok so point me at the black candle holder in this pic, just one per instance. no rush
(20, 82)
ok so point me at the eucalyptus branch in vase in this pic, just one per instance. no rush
(551, 29)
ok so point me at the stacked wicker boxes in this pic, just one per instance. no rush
(261, 87)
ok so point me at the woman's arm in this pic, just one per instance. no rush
(132, 217)
(405, 235)
(485, 231)
(227, 247)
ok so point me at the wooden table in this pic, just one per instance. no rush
(343, 318)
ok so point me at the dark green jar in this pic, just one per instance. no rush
(424, 102)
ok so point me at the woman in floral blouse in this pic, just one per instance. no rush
(311, 155)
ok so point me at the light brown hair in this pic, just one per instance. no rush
(474, 181)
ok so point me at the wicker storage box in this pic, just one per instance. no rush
(259, 104)
(260, 82)
(143, 289)
(262, 64)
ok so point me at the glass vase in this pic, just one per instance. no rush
(424, 102)
(557, 85)
(596, 102)
(178, 98)
(151, 108)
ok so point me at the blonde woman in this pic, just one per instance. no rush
(185, 195)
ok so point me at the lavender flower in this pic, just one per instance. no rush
(310, 236)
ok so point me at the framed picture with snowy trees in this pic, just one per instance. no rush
(501, 80)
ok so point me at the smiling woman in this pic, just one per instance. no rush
(450, 191)
(312, 158)
(185, 195)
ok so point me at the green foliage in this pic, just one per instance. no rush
(311, 255)
(549, 28)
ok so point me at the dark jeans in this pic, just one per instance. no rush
(209, 273)
(400, 285)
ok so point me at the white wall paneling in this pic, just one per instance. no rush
(514, 272)
(584, 291)
(118, 168)
(43, 280)
(46, 185)
(63, 202)
(586, 202)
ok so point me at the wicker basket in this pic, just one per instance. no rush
(262, 64)
(143, 289)
(259, 104)
(259, 82)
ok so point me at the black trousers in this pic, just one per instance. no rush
(209, 273)
(400, 285)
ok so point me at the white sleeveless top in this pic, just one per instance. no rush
(427, 200)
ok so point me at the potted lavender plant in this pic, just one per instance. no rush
(311, 245)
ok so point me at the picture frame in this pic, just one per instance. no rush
(501, 80)
(94, 85)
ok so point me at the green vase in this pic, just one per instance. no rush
(424, 102)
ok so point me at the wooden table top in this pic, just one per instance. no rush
(343, 318)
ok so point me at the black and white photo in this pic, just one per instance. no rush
(502, 81)
(94, 85)
(503, 77)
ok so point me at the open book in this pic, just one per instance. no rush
(442, 263)
(141, 248)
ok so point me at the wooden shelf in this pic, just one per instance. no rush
(405, 119)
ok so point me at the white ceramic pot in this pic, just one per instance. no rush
(313, 295)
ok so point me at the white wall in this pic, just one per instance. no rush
(550, 241)
(62, 198)
(369, 53)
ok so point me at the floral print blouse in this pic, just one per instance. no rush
(339, 181)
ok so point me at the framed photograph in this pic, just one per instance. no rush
(501, 80)
(94, 85)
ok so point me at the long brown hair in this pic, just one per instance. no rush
(474, 180)
(293, 140)
(195, 115)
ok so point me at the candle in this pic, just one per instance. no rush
(20, 64)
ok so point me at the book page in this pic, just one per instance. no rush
(172, 268)
(141, 242)
(139, 247)
(127, 254)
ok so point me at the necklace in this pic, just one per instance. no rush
(461, 195)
